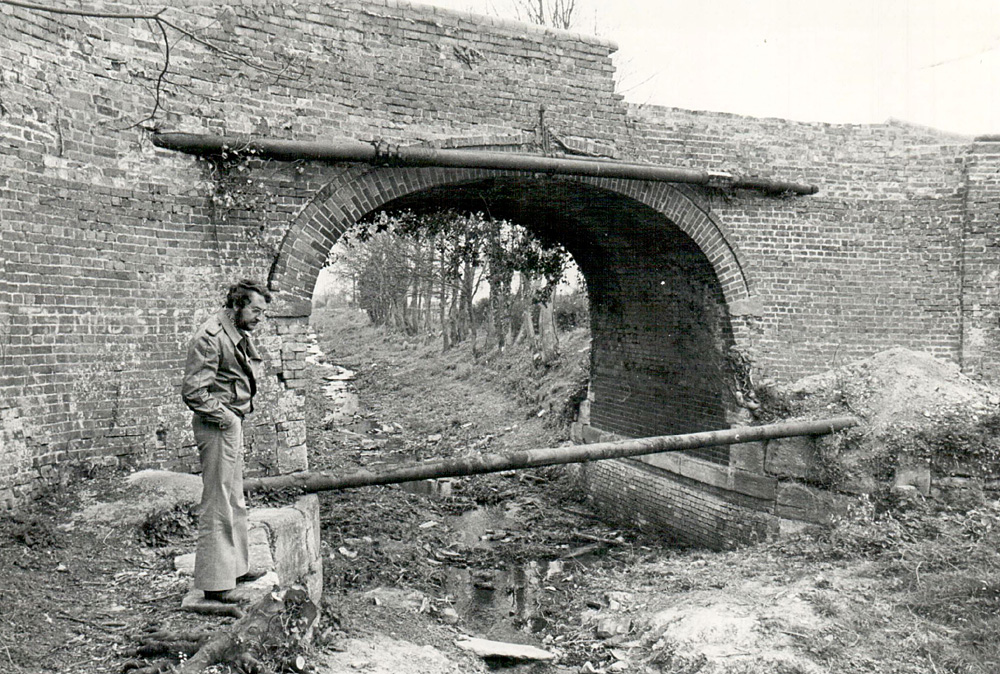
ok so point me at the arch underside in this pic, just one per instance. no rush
(661, 273)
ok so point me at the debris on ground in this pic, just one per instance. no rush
(894, 587)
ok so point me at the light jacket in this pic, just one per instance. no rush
(221, 371)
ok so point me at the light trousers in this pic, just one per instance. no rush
(222, 553)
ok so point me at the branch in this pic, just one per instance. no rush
(162, 24)
(79, 12)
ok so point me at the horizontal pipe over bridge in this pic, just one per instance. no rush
(534, 458)
(374, 153)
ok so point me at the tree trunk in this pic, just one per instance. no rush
(418, 296)
(443, 308)
(428, 272)
(456, 324)
(525, 295)
(547, 332)
(492, 320)
(397, 321)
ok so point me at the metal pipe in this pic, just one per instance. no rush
(357, 151)
(534, 458)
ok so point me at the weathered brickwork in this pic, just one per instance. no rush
(981, 263)
(873, 260)
(687, 512)
(112, 251)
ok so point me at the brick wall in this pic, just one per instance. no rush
(113, 251)
(687, 512)
(981, 263)
(660, 329)
(873, 260)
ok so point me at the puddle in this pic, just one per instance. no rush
(440, 488)
(480, 527)
(338, 387)
(501, 604)
(345, 400)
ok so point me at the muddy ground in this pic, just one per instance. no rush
(895, 587)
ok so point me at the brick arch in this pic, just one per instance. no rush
(695, 220)
(358, 191)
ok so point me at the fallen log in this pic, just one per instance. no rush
(533, 458)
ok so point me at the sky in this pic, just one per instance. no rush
(933, 63)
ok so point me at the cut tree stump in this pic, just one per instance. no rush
(281, 621)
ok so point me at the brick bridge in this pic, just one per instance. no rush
(113, 250)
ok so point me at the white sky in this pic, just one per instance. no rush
(929, 62)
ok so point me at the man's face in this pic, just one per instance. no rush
(249, 316)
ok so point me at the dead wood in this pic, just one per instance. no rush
(157, 667)
(176, 635)
(154, 648)
(273, 628)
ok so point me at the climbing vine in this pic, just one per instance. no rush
(243, 194)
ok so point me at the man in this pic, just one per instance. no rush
(220, 380)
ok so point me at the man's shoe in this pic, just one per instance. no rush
(221, 596)
(249, 576)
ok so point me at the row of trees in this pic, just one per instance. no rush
(455, 274)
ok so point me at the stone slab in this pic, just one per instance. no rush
(724, 477)
(748, 457)
(245, 594)
(293, 532)
(793, 458)
(485, 648)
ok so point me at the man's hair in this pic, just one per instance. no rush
(239, 294)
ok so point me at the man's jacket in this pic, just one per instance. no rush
(221, 371)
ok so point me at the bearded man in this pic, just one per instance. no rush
(220, 380)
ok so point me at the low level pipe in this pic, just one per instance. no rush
(357, 151)
(535, 458)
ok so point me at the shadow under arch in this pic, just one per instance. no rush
(663, 274)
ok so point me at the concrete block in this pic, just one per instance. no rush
(313, 577)
(293, 532)
(748, 456)
(743, 482)
(805, 504)
(591, 434)
(792, 457)
(791, 527)
(292, 459)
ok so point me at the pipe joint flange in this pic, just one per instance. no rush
(386, 153)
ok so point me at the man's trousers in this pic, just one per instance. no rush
(221, 556)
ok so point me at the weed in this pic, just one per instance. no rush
(164, 526)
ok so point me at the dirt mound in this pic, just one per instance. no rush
(916, 411)
(147, 492)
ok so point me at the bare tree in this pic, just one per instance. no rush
(555, 13)
(410, 265)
